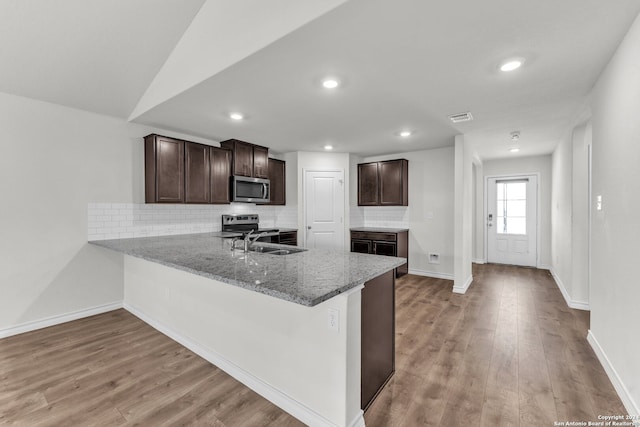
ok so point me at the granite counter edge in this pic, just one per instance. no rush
(307, 302)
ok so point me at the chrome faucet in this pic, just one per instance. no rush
(247, 241)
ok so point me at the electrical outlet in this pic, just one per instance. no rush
(334, 320)
(434, 258)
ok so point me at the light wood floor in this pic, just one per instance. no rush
(509, 352)
(114, 370)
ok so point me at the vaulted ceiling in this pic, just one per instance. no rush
(184, 65)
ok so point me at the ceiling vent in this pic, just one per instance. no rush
(461, 117)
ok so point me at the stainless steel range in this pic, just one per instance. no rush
(245, 223)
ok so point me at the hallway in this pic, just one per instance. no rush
(507, 353)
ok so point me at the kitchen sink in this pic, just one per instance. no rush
(275, 251)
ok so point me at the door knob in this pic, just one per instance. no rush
(308, 227)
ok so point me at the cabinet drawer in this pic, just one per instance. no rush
(368, 235)
(384, 248)
(361, 246)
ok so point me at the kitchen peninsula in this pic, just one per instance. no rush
(288, 326)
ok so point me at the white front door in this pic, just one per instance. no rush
(511, 220)
(324, 209)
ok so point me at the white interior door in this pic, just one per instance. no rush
(512, 220)
(324, 209)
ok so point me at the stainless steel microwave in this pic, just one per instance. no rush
(252, 190)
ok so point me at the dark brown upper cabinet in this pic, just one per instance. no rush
(179, 171)
(260, 162)
(277, 176)
(220, 161)
(164, 169)
(383, 183)
(368, 193)
(197, 173)
(248, 159)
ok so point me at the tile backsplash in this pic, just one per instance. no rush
(379, 216)
(125, 220)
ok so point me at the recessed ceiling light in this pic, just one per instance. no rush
(511, 64)
(236, 116)
(514, 150)
(405, 133)
(328, 147)
(330, 83)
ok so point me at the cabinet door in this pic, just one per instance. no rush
(377, 336)
(243, 159)
(403, 251)
(361, 246)
(277, 177)
(384, 248)
(289, 238)
(368, 184)
(220, 160)
(260, 162)
(393, 182)
(164, 169)
(197, 179)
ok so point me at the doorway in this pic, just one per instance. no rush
(324, 209)
(511, 220)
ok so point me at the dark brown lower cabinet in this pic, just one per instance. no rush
(288, 238)
(377, 336)
(361, 246)
(379, 242)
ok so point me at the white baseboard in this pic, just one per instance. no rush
(463, 289)
(578, 305)
(58, 319)
(479, 261)
(358, 421)
(433, 274)
(628, 402)
(287, 403)
(543, 267)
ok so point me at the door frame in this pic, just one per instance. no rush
(304, 203)
(486, 210)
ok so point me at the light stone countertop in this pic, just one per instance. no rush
(307, 278)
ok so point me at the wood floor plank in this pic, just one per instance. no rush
(507, 353)
(500, 406)
(511, 332)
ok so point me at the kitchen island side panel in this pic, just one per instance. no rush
(283, 345)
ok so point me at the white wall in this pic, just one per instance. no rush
(322, 161)
(523, 166)
(462, 215)
(580, 224)
(561, 254)
(430, 211)
(56, 160)
(478, 214)
(282, 350)
(615, 289)
(570, 216)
